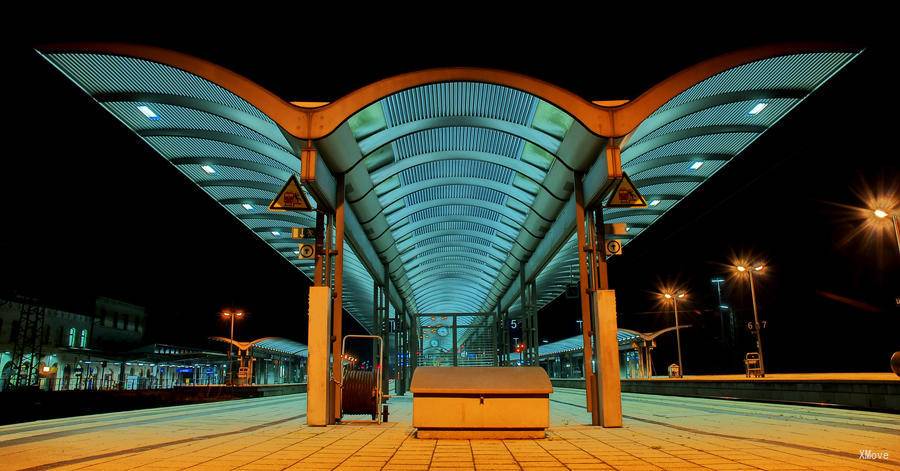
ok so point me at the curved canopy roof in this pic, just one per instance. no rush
(272, 344)
(624, 336)
(576, 343)
(458, 179)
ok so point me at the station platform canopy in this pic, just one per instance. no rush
(459, 181)
(576, 343)
(277, 345)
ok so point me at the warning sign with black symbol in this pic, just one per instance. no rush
(626, 195)
(290, 198)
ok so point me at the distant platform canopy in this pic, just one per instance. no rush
(458, 179)
(278, 345)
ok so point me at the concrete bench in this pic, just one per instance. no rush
(491, 402)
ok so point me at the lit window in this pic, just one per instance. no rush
(696, 165)
(654, 202)
(72, 337)
(208, 169)
(758, 108)
(146, 111)
(83, 338)
(248, 207)
(276, 233)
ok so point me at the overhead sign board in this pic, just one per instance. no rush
(291, 198)
(626, 195)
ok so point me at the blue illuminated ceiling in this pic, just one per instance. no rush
(453, 185)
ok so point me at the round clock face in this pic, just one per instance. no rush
(434, 342)
(443, 331)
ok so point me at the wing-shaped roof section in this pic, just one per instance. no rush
(692, 136)
(459, 180)
(229, 148)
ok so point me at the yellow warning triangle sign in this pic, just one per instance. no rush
(290, 198)
(626, 195)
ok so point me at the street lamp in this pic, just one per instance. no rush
(882, 214)
(232, 316)
(749, 269)
(674, 297)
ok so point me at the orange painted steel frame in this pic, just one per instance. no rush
(320, 121)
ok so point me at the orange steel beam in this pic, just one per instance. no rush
(320, 121)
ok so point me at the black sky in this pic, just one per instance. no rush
(92, 210)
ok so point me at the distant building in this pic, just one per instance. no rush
(117, 325)
(70, 341)
(105, 349)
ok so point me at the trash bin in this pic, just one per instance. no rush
(674, 371)
(752, 365)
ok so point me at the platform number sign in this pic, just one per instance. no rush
(762, 325)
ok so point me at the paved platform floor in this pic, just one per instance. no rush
(269, 433)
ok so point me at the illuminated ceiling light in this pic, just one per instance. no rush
(248, 207)
(696, 165)
(208, 169)
(880, 213)
(146, 111)
(758, 108)
(276, 233)
(654, 202)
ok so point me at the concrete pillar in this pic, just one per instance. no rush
(606, 346)
(318, 412)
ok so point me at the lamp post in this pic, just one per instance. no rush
(881, 214)
(718, 282)
(749, 269)
(231, 316)
(674, 298)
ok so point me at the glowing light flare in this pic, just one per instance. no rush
(870, 225)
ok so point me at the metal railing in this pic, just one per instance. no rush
(109, 384)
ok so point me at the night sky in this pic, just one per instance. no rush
(91, 210)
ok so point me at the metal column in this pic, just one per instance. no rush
(385, 332)
(337, 309)
(535, 338)
(585, 288)
(455, 346)
(495, 332)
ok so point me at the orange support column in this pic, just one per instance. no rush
(584, 290)
(337, 308)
